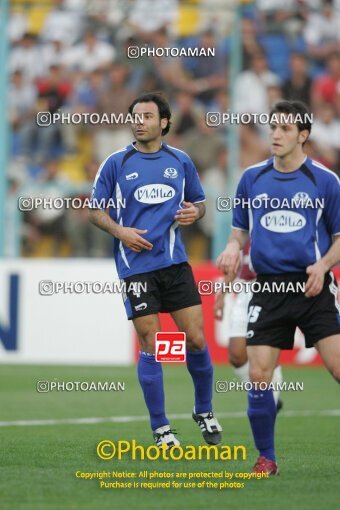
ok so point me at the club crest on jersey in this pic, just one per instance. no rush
(170, 173)
(301, 198)
(283, 222)
(154, 193)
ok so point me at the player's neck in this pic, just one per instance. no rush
(290, 162)
(149, 147)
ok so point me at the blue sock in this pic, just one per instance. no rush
(150, 377)
(201, 371)
(262, 415)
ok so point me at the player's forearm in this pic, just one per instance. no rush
(240, 237)
(201, 209)
(332, 257)
(102, 220)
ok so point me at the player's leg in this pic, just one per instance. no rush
(238, 329)
(237, 344)
(239, 360)
(150, 375)
(238, 357)
(190, 320)
(261, 405)
(322, 329)
(329, 350)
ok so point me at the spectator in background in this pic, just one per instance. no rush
(115, 99)
(26, 57)
(215, 184)
(202, 143)
(298, 86)
(22, 97)
(85, 239)
(326, 88)
(326, 133)
(208, 74)
(252, 146)
(85, 99)
(148, 16)
(250, 44)
(279, 16)
(322, 32)
(274, 92)
(167, 69)
(46, 221)
(54, 53)
(251, 86)
(90, 54)
(63, 23)
(186, 116)
(53, 91)
(17, 25)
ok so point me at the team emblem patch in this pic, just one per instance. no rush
(170, 173)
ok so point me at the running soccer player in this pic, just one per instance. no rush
(162, 191)
(237, 347)
(292, 244)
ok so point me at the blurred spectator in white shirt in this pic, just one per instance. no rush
(149, 16)
(322, 31)
(17, 26)
(63, 24)
(251, 86)
(326, 129)
(90, 54)
(26, 57)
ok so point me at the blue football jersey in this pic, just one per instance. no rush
(144, 191)
(294, 230)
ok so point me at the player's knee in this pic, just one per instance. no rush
(146, 338)
(195, 340)
(260, 374)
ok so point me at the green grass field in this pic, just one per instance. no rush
(38, 462)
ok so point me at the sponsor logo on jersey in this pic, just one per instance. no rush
(154, 193)
(140, 307)
(170, 173)
(130, 177)
(283, 222)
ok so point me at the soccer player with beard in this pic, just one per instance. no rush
(162, 191)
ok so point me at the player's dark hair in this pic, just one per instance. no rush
(162, 104)
(295, 108)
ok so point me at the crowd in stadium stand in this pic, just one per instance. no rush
(72, 57)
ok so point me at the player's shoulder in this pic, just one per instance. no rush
(119, 155)
(253, 170)
(177, 153)
(322, 172)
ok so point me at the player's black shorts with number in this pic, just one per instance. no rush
(273, 317)
(167, 290)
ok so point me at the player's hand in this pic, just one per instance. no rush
(132, 239)
(219, 306)
(188, 215)
(314, 284)
(229, 260)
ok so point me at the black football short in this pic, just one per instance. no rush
(167, 290)
(273, 317)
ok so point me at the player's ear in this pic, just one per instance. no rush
(164, 123)
(303, 135)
